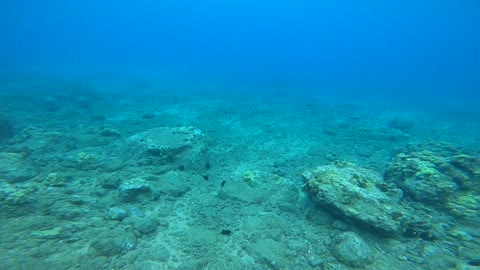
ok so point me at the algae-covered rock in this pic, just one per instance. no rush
(93, 158)
(82, 161)
(444, 177)
(465, 170)
(55, 179)
(435, 174)
(356, 193)
(14, 199)
(419, 177)
(465, 205)
(181, 146)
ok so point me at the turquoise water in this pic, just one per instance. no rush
(240, 135)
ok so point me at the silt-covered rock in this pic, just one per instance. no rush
(14, 168)
(352, 250)
(181, 146)
(131, 188)
(113, 242)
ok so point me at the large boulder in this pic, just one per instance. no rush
(358, 194)
(180, 146)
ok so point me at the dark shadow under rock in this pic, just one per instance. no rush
(6, 128)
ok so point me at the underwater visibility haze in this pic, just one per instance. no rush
(239, 134)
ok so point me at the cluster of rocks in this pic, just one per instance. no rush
(174, 159)
(181, 149)
(441, 181)
(175, 154)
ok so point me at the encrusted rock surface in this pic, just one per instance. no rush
(442, 177)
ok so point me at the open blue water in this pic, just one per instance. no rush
(239, 134)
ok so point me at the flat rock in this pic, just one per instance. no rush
(177, 184)
(269, 252)
(181, 146)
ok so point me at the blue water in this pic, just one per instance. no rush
(181, 134)
(354, 46)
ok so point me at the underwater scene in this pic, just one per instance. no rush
(235, 134)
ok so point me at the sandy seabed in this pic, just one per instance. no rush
(82, 188)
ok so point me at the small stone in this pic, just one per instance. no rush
(148, 115)
(54, 233)
(161, 253)
(115, 213)
(364, 151)
(352, 250)
(110, 182)
(133, 211)
(98, 117)
(145, 225)
(109, 132)
(117, 241)
(133, 187)
(316, 261)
